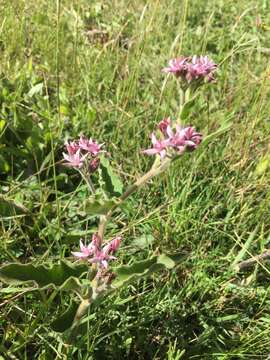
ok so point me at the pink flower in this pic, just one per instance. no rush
(89, 145)
(191, 69)
(112, 246)
(72, 147)
(74, 160)
(94, 253)
(159, 147)
(200, 67)
(192, 137)
(85, 252)
(180, 139)
(177, 66)
(164, 124)
(184, 138)
(101, 258)
(115, 243)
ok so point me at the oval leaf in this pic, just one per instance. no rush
(57, 275)
(113, 184)
(127, 273)
(99, 206)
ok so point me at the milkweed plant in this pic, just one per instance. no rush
(91, 275)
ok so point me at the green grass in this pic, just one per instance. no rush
(57, 80)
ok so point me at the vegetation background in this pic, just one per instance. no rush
(94, 68)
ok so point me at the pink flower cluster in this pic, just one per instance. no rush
(79, 150)
(190, 69)
(179, 140)
(94, 253)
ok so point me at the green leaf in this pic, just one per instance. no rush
(143, 241)
(62, 275)
(65, 320)
(10, 207)
(262, 166)
(167, 261)
(113, 184)
(127, 273)
(187, 108)
(97, 206)
(245, 247)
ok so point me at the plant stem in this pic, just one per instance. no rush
(81, 311)
(154, 171)
(88, 181)
(182, 98)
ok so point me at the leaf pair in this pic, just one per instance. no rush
(65, 276)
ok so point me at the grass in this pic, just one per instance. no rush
(71, 67)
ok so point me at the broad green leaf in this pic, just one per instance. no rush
(167, 261)
(65, 320)
(127, 273)
(113, 184)
(10, 207)
(99, 206)
(62, 275)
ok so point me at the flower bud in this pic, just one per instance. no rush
(93, 165)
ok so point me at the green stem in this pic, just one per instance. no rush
(182, 98)
(88, 181)
(81, 311)
(154, 171)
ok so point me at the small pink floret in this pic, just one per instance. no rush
(159, 147)
(94, 253)
(89, 145)
(94, 164)
(79, 150)
(74, 160)
(180, 139)
(177, 66)
(184, 138)
(85, 252)
(72, 147)
(164, 123)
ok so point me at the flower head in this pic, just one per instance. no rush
(79, 150)
(177, 66)
(178, 139)
(192, 69)
(96, 254)
(74, 160)
(85, 252)
(72, 147)
(89, 145)
(184, 138)
(200, 67)
(159, 147)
